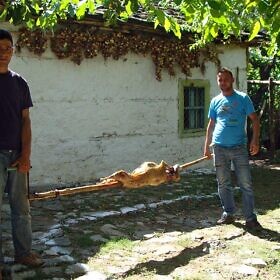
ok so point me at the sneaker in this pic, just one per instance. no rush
(32, 259)
(253, 225)
(225, 220)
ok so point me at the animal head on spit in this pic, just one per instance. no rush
(147, 174)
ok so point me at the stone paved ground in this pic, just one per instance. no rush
(169, 228)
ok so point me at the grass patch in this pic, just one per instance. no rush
(185, 241)
(119, 244)
(195, 276)
(144, 274)
(267, 192)
(253, 249)
(83, 241)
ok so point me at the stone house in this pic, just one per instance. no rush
(100, 110)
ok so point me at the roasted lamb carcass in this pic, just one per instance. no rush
(147, 174)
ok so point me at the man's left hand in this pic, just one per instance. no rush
(254, 148)
(22, 164)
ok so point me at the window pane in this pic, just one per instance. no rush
(186, 97)
(194, 107)
(186, 119)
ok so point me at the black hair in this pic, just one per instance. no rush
(225, 70)
(4, 34)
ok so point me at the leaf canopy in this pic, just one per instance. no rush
(209, 19)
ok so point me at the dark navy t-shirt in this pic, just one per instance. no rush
(14, 97)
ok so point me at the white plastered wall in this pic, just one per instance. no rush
(90, 120)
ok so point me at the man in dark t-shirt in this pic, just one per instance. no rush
(15, 150)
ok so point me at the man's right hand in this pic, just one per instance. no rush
(207, 153)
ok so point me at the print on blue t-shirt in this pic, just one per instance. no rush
(230, 115)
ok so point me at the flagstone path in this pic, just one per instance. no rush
(116, 213)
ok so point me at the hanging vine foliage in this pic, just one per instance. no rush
(83, 41)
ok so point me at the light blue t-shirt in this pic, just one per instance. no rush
(230, 115)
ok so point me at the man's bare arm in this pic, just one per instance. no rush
(208, 138)
(254, 144)
(23, 162)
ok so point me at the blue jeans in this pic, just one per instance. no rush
(238, 156)
(15, 184)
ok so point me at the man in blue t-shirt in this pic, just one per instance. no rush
(226, 133)
(15, 150)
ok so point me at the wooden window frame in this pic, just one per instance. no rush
(193, 83)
